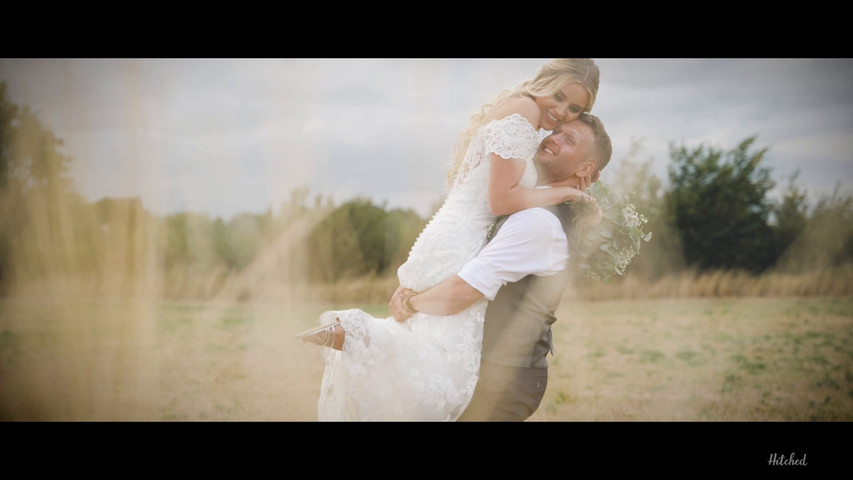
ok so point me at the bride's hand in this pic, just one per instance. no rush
(591, 216)
(578, 194)
(398, 294)
(572, 195)
(585, 182)
(400, 312)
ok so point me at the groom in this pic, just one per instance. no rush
(522, 272)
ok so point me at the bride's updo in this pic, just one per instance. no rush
(551, 77)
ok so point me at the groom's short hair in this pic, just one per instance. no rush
(601, 148)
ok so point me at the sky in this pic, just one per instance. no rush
(238, 135)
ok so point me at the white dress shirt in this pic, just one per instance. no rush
(530, 242)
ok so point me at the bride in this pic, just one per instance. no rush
(426, 368)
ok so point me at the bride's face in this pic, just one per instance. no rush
(565, 105)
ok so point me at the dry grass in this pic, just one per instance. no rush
(739, 359)
(104, 361)
(837, 281)
(691, 359)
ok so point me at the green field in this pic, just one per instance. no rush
(700, 359)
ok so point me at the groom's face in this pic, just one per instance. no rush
(562, 153)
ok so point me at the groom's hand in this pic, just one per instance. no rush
(398, 309)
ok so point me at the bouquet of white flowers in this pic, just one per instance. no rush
(603, 249)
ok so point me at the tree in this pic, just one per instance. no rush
(36, 196)
(718, 202)
(238, 241)
(8, 113)
(8, 116)
(633, 177)
(360, 238)
(789, 216)
(825, 239)
(187, 243)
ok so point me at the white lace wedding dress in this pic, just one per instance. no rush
(426, 368)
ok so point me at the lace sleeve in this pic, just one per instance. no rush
(512, 137)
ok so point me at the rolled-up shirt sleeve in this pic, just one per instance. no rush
(530, 242)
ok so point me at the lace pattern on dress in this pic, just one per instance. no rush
(426, 368)
(509, 137)
(459, 228)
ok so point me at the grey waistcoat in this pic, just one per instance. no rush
(517, 329)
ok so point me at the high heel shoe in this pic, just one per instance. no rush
(329, 334)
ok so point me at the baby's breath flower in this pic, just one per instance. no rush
(604, 250)
(631, 217)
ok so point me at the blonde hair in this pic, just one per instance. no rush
(550, 78)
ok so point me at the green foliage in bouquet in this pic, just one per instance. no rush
(603, 250)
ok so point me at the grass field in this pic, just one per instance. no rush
(686, 359)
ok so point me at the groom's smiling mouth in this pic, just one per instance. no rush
(550, 151)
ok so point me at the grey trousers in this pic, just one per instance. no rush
(505, 394)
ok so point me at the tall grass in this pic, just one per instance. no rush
(837, 281)
(690, 359)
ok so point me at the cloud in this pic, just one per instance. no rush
(237, 135)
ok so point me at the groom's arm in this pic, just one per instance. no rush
(447, 298)
(525, 245)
